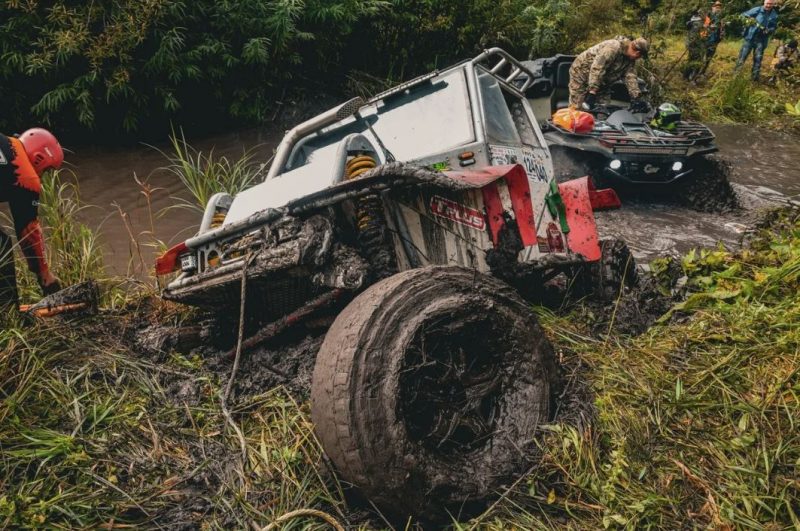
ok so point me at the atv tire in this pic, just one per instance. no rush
(616, 269)
(429, 389)
(708, 188)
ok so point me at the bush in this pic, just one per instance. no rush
(736, 98)
(133, 66)
(128, 64)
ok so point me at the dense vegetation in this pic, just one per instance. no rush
(128, 67)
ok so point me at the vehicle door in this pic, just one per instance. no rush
(513, 137)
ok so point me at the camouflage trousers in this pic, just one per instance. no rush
(578, 89)
(694, 64)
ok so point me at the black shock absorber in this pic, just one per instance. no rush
(370, 223)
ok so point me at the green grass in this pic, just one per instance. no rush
(722, 95)
(205, 174)
(695, 424)
(697, 420)
(92, 434)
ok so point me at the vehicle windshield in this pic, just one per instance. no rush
(426, 119)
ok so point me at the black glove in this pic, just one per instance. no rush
(589, 100)
(53, 287)
(639, 105)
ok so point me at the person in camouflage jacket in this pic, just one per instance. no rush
(595, 70)
(695, 46)
(713, 32)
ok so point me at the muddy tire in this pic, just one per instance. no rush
(605, 278)
(569, 165)
(708, 189)
(429, 388)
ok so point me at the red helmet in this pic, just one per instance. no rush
(42, 148)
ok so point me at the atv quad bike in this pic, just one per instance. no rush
(624, 147)
(430, 207)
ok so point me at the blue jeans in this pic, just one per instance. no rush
(757, 46)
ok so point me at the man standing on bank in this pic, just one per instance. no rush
(761, 22)
(694, 46)
(23, 161)
(595, 70)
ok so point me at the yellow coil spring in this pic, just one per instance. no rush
(218, 219)
(358, 166)
(370, 221)
(367, 206)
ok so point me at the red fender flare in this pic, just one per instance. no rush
(581, 199)
(168, 262)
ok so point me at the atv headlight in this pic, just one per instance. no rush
(678, 166)
(615, 164)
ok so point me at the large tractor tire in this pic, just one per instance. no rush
(429, 388)
(606, 278)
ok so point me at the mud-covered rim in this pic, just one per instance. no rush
(452, 380)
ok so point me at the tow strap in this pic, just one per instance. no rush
(555, 204)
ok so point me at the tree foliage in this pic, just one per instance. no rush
(132, 66)
(124, 63)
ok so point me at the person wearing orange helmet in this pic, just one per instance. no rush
(23, 161)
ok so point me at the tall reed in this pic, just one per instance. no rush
(205, 174)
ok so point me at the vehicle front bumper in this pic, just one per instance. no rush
(280, 275)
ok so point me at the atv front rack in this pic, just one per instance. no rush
(688, 136)
(621, 143)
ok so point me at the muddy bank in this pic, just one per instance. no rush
(187, 356)
(287, 362)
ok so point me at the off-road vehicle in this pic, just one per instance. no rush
(653, 147)
(429, 208)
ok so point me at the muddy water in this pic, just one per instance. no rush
(130, 223)
(763, 167)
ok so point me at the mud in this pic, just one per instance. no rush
(157, 333)
(285, 361)
(288, 360)
(289, 364)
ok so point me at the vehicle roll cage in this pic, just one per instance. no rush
(514, 68)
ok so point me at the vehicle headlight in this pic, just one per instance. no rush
(615, 164)
(678, 166)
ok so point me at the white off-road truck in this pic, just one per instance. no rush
(432, 208)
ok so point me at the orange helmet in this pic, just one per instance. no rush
(42, 148)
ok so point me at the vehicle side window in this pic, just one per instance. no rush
(506, 120)
(523, 123)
